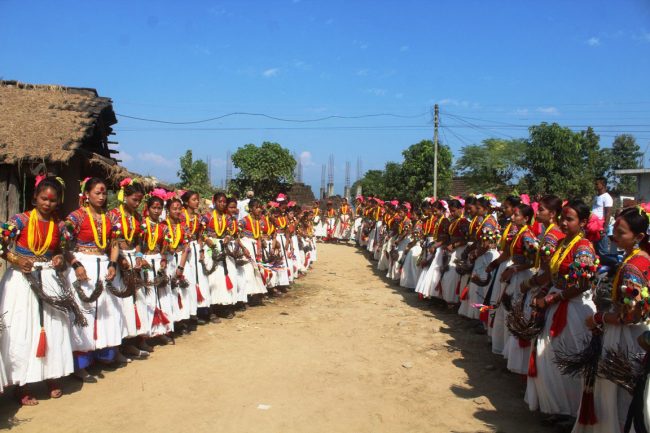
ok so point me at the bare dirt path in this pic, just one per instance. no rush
(344, 352)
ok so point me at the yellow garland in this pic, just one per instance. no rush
(516, 239)
(618, 273)
(270, 228)
(174, 242)
(125, 226)
(219, 228)
(561, 253)
(538, 256)
(471, 224)
(282, 222)
(256, 234)
(101, 245)
(34, 235)
(504, 236)
(187, 221)
(151, 243)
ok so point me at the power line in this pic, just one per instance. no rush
(266, 116)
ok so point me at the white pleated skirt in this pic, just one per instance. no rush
(411, 271)
(105, 316)
(19, 342)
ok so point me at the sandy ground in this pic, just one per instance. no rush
(344, 352)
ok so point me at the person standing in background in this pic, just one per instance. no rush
(602, 209)
(242, 205)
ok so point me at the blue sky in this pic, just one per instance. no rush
(494, 67)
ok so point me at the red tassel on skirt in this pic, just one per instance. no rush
(199, 295)
(523, 343)
(42, 344)
(532, 362)
(587, 414)
(457, 286)
(138, 324)
(559, 318)
(95, 330)
(229, 283)
(464, 293)
(180, 301)
(159, 317)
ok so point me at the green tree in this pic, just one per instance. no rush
(417, 171)
(194, 175)
(267, 169)
(560, 161)
(372, 183)
(393, 181)
(491, 166)
(624, 154)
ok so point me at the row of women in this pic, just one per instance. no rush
(336, 224)
(101, 287)
(529, 276)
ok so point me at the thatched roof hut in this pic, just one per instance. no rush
(57, 130)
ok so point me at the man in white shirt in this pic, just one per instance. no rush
(242, 205)
(602, 208)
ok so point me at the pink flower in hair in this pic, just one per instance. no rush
(525, 199)
(39, 178)
(126, 182)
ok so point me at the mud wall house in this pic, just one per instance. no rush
(61, 131)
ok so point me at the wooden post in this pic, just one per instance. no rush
(9, 197)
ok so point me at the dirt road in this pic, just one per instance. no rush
(344, 352)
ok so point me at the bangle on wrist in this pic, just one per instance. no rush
(112, 264)
(139, 255)
(76, 265)
(180, 268)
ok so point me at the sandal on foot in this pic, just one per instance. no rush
(84, 376)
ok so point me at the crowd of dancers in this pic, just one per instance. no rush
(103, 287)
(527, 273)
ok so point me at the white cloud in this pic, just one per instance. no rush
(124, 156)
(305, 159)
(271, 72)
(404, 48)
(156, 159)
(521, 112)
(553, 111)
(458, 103)
(300, 64)
(376, 91)
(593, 41)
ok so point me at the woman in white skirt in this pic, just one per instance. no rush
(623, 324)
(343, 230)
(95, 271)
(375, 217)
(458, 232)
(176, 251)
(126, 230)
(497, 324)
(331, 219)
(251, 239)
(158, 297)
(523, 251)
(567, 306)
(35, 346)
(221, 275)
(401, 241)
(429, 284)
(282, 236)
(199, 294)
(479, 279)
(236, 256)
(410, 269)
(358, 220)
(319, 225)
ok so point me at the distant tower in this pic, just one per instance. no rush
(297, 172)
(228, 170)
(346, 189)
(359, 169)
(330, 177)
(359, 175)
(322, 183)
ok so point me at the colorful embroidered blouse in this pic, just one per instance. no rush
(21, 243)
(81, 232)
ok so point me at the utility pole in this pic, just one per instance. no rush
(435, 151)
